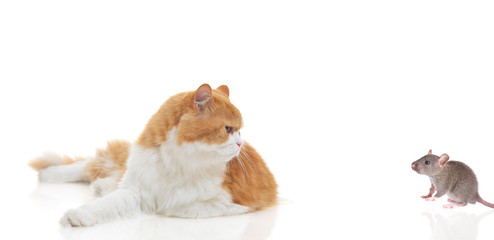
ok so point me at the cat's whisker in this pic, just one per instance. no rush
(243, 151)
(246, 156)
(244, 169)
(241, 164)
(234, 163)
(228, 167)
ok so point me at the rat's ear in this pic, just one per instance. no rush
(430, 152)
(202, 97)
(224, 89)
(443, 159)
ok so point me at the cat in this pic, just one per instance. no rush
(189, 162)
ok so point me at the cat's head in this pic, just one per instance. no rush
(205, 117)
(213, 121)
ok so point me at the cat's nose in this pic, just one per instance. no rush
(239, 143)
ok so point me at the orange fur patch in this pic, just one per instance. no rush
(165, 119)
(249, 181)
(108, 161)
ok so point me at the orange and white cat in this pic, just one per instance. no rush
(188, 162)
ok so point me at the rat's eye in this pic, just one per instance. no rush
(228, 129)
(427, 162)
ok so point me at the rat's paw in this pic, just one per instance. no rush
(431, 199)
(78, 218)
(426, 196)
(454, 205)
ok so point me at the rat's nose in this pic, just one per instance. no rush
(414, 166)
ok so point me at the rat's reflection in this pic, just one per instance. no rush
(257, 225)
(456, 226)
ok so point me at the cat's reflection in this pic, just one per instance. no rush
(257, 225)
(460, 225)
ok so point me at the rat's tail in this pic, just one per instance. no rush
(480, 200)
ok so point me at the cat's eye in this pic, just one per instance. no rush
(427, 162)
(228, 129)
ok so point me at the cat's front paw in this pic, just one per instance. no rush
(78, 218)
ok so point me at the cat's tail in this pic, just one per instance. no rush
(54, 167)
(107, 162)
(49, 159)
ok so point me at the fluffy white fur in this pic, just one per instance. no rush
(63, 173)
(173, 180)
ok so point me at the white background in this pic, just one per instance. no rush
(339, 97)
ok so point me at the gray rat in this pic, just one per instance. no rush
(453, 178)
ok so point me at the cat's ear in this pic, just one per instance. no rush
(202, 97)
(224, 89)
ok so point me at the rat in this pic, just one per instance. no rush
(453, 178)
